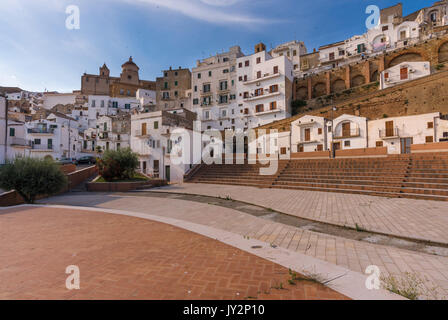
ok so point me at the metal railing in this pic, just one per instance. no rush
(41, 130)
(347, 133)
(20, 142)
(389, 133)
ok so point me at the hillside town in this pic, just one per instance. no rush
(281, 172)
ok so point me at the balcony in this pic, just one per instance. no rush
(309, 141)
(391, 133)
(223, 89)
(42, 147)
(103, 136)
(345, 134)
(42, 130)
(206, 93)
(268, 111)
(141, 134)
(262, 96)
(266, 76)
(87, 151)
(20, 142)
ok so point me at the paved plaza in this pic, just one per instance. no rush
(122, 257)
(353, 255)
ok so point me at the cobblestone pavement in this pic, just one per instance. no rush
(418, 219)
(121, 257)
(351, 254)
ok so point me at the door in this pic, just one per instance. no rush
(50, 144)
(144, 129)
(403, 73)
(406, 145)
(389, 128)
(144, 166)
(307, 134)
(300, 148)
(167, 173)
(156, 168)
(346, 129)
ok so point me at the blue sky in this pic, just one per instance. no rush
(38, 52)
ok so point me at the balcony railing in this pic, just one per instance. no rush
(42, 147)
(389, 133)
(141, 134)
(352, 133)
(41, 130)
(263, 77)
(20, 142)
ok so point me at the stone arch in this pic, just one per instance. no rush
(405, 57)
(374, 76)
(338, 85)
(358, 80)
(319, 89)
(302, 93)
(443, 52)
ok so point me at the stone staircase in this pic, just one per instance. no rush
(418, 176)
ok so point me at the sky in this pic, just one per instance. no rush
(38, 52)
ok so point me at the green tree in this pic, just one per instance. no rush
(296, 105)
(118, 164)
(31, 177)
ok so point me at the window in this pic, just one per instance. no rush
(379, 144)
(273, 88)
(259, 108)
(165, 74)
(245, 78)
(156, 124)
(12, 132)
(165, 85)
(196, 101)
(275, 69)
(385, 28)
(347, 143)
(223, 85)
(246, 63)
(36, 141)
(223, 99)
(128, 92)
(240, 65)
(341, 52)
(127, 106)
(294, 53)
(430, 125)
(331, 57)
(195, 88)
(93, 103)
(121, 91)
(199, 76)
(259, 92)
(386, 75)
(429, 139)
(209, 73)
(240, 78)
(273, 105)
(207, 114)
(320, 147)
(246, 111)
(175, 73)
(102, 103)
(175, 83)
(319, 130)
(176, 93)
(258, 74)
(165, 95)
(258, 60)
(403, 73)
(225, 71)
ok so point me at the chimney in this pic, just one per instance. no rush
(260, 47)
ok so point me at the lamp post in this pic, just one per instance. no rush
(333, 152)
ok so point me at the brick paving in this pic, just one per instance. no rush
(123, 257)
(351, 254)
(419, 219)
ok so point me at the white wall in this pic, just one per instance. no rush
(298, 133)
(415, 70)
(358, 132)
(2, 128)
(52, 99)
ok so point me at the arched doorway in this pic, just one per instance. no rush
(406, 57)
(358, 80)
(443, 53)
(319, 89)
(338, 85)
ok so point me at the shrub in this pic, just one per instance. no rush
(31, 177)
(296, 105)
(118, 165)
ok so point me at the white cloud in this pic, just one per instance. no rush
(213, 11)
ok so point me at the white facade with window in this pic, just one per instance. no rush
(399, 133)
(214, 91)
(349, 132)
(264, 86)
(110, 138)
(3, 115)
(292, 50)
(403, 72)
(309, 134)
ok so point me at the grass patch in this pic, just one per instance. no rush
(410, 286)
(136, 178)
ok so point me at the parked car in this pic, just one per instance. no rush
(86, 160)
(67, 161)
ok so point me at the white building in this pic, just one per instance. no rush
(88, 146)
(3, 117)
(146, 97)
(55, 137)
(18, 145)
(399, 133)
(113, 132)
(154, 139)
(309, 134)
(349, 132)
(388, 36)
(108, 106)
(214, 91)
(292, 50)
(264, 88)
(50, 99)
(403, 72)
